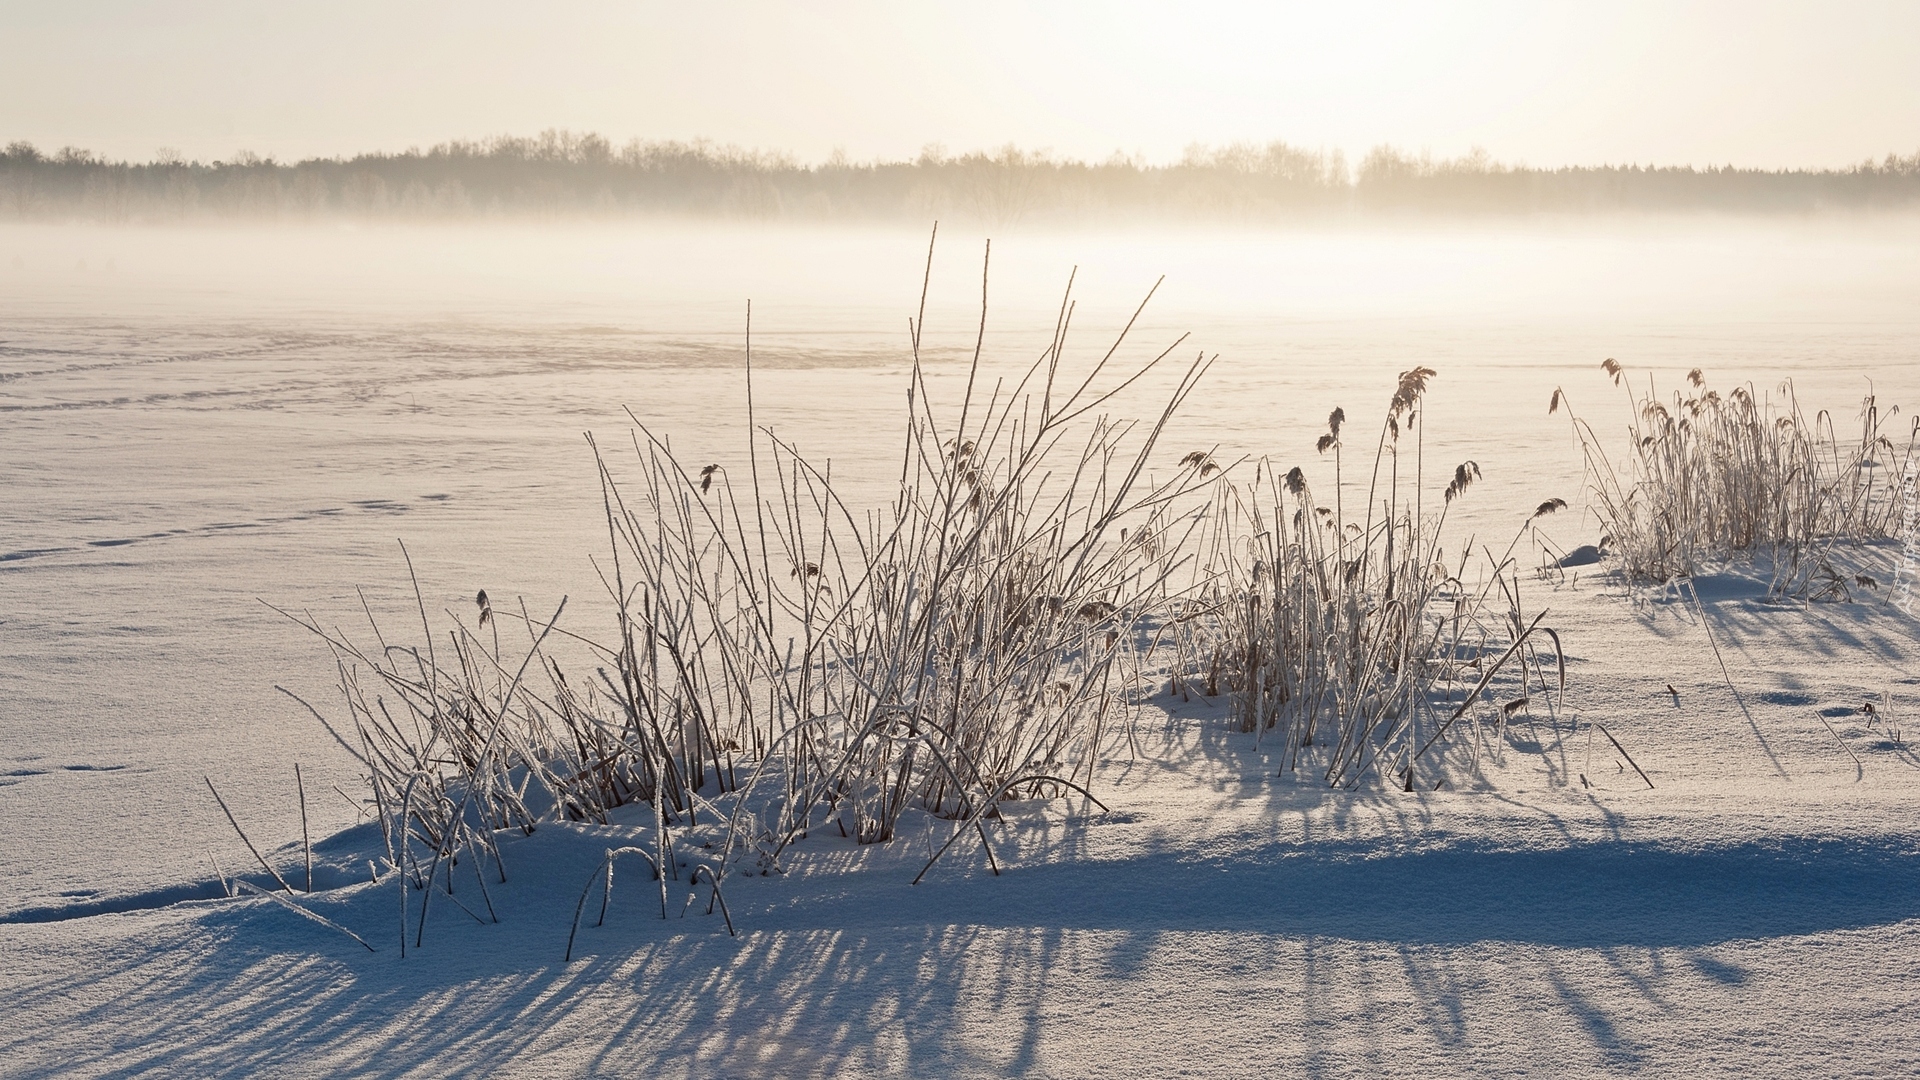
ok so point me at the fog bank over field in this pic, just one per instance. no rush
(840, 284)
(566, 175)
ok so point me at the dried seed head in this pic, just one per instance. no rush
(1464, 474)
(1550, 506)
(1202, 461)
(1412, 385)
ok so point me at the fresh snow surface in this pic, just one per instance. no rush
(1756, 912)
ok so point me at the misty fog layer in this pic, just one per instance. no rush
(842, 286)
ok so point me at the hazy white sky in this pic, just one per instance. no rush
(1750, 83)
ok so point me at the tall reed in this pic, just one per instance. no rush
(1711, 476)
(1345, 638)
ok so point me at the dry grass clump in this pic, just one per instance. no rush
(458, 744)
(954, 652)
(945, 656)
(1710, 476)
(1347, 637)
(780, 662)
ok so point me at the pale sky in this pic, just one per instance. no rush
(1750, 83)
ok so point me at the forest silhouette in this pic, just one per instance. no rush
(560, 174)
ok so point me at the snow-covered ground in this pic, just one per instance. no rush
(1756, 911)
(174, 449)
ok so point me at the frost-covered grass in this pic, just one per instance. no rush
(782, 662)
(1709, 477)
(1352, 640)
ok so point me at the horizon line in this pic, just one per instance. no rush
(563, 145)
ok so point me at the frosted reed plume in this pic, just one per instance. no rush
(1709, 476)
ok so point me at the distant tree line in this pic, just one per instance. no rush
(562, 174)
